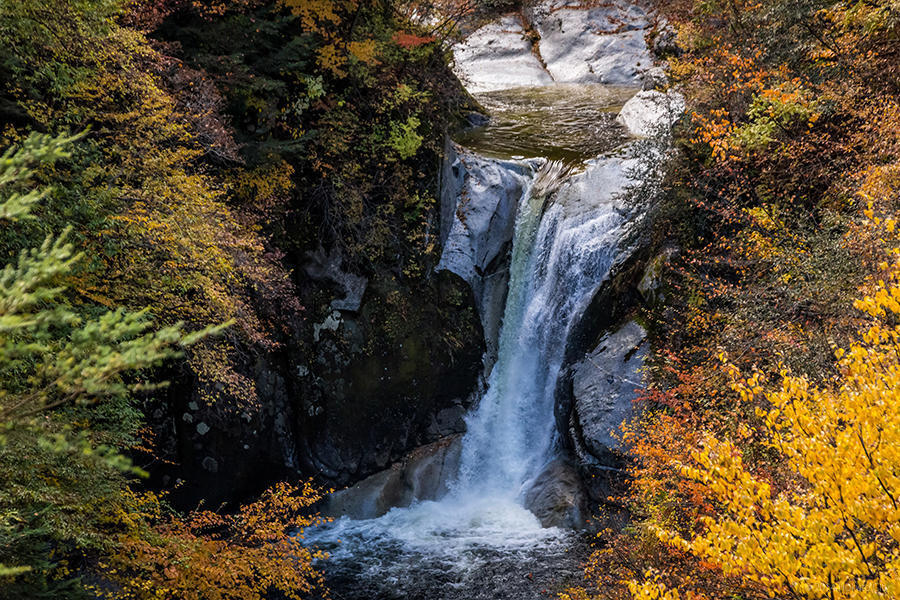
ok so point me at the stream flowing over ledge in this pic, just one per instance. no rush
(541, 209)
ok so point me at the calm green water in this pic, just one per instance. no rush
(566, 122)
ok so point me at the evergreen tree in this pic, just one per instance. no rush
(66, 382)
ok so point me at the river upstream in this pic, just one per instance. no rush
(537, 206)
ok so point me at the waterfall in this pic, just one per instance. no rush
(567, 237)
(565, 242)
(567, 225)
(508, 433)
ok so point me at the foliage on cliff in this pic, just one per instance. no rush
(826, 525)
(788, 156)
(67, 409)
(222, 141)
(340, 110)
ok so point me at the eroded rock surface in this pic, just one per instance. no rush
(603, 43)
(479, 200)
(557, 41)
(421, 475)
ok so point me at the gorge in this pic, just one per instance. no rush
(542, 209)
(449, 299)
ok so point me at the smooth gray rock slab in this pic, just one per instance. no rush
(422, 475)
(605, 384)
(568, 42)
(600, 44)
(499, 56)
(479, 200)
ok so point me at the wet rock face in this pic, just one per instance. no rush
(557, 497)
(557, 41)
(421, 475)
(595, 398)
(651, 113)
(479, 200)
(604, 386)
(392, 376)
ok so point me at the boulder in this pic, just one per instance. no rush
(421, 475)
(655, 78)
(557, 497)
(605, 384)
(651, 113)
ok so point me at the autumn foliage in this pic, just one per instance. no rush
(208, 555)
(772, 473)
(223, 139)
(830, 527)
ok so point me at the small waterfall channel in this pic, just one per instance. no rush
(479, 539)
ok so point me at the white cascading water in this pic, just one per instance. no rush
(509, 434)
(560, 255)
(567, 235)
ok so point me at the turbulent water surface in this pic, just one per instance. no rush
(480, 541)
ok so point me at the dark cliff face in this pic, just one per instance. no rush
(391, 376)
(365, 352)
(344, 397)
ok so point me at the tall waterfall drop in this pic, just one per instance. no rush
(535, 214)
(560, 254)
(569, 225)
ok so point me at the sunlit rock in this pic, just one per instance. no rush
(499, 56)
(651, 113)
(602, 43)
(557, 42)
(479, 199)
